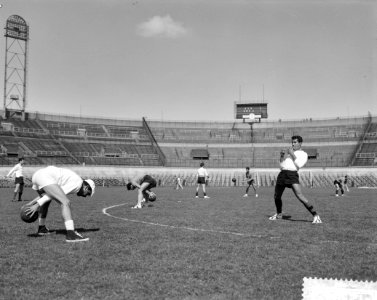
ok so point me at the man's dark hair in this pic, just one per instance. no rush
(202, 164)
(298, 138)
(21, 158)
(130, 186)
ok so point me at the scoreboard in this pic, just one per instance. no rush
(242, 110)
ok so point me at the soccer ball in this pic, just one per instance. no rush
(25, 217)
(152, 197)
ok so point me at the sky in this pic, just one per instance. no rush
(193, 59)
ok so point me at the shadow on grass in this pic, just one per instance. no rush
(63, 231)
(289, 218)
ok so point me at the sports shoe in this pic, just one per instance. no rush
(256, 195)
(196, 196)
(246, 195)
(43, 230)
(206, 197)
(73, 237)
(317, 220)
(276, 217)
(336, 195)
(136, 206)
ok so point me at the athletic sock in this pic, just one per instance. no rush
(311, 209)
(69, 225)
(42, 221)
(279, 205)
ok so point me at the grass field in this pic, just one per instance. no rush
(184, 248)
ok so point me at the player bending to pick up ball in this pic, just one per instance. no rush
(144, 184)
(56, 183)
(291, 160)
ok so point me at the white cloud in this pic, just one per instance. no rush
(159, 26)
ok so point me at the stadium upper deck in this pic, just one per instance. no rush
(57, 139)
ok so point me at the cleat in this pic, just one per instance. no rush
(136, 206)
(256, 195)
(73, 237)
(246, 195)
(336, 195)
(317, 220)
(206, 197)
(276, 217)
(43, 230)
(196, 196)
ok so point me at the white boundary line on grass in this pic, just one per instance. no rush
(104, 211)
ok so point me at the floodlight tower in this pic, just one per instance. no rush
(16, 46)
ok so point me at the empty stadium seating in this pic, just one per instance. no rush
(45, 138)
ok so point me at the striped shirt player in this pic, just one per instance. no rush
(17, 173)
(53, 183)
(202, 177)
(291, 161)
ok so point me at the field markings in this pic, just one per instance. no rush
(104, 211)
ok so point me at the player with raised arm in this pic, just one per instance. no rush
(17, 172)
(250, 182)
(291, 161)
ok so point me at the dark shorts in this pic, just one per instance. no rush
(201, 180)
(149, 179)
(250, 181)
(19, 180)
(287, 178)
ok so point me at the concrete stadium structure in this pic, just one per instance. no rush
(108, 147)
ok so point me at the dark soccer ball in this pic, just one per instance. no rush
(26, 218)
(152, 197)
(234, 179)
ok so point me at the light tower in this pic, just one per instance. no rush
(16, 46)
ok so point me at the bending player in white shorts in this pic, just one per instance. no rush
(56, 183)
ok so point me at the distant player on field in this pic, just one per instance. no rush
(338, 187)
(144, 184)
(52, 183)
(201, 178)
(178, 183)
(250, 182)
(291, 160)
(17, 172)
(345, 183)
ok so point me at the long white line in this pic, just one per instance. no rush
(104, 211)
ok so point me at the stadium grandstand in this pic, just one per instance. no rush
(48, 139)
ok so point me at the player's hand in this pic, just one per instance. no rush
(31, 210)
(290, 151)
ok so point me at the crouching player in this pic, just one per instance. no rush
(52, 183)
(144, 184)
